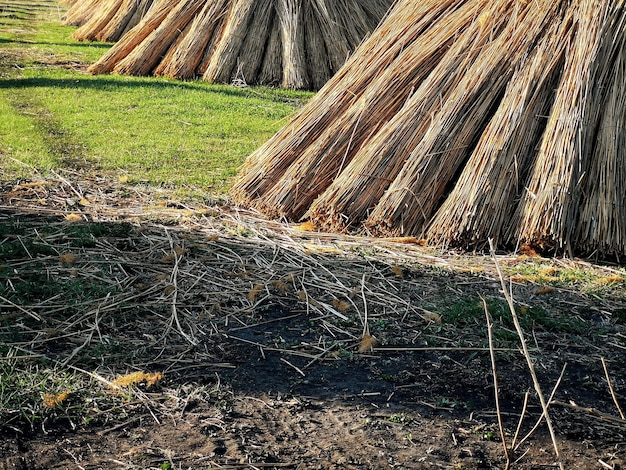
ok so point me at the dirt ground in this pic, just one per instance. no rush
(274, 380)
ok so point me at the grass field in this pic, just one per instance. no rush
(188, 136)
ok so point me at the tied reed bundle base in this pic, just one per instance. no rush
(464, 121)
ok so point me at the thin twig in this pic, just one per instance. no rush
(608, 381)
(544, 405)
(495, 382)
(534, 428)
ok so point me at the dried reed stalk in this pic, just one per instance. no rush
(144, 58)
(549, 210)
(290, 15)
(224, 57)
(121, 21)
(602, 220)
(183, 61)
(441, 57)
(413, 197)
(159, 11)
(266, 169)
(492, 181)
(100, 18)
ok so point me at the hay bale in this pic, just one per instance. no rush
(511, 127)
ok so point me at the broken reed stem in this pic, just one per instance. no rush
(544, 405)
(610, 384)
(495, 382)
(521, 421)
(532, 431)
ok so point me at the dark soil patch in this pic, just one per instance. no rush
(273, 381)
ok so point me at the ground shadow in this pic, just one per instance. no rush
(258, 319)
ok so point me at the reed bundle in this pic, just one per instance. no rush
(294, 43)
(603, 210)
(184, 60)
(80, 12)
(290, 17)
(144, 57)
(135, 37)
(411, 200)
(371, 171)
(224, 57)
(461, 122)
(497, 170)
(334, 109)
(125, 18)
(550, 209)
(97, 22)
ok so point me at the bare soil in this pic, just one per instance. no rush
(270, 379)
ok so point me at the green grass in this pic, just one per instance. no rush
(187, 136)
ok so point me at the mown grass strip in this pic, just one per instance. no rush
(190, 137)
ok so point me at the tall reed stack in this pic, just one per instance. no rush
(461, 121)
(110, 19)
(295, 44)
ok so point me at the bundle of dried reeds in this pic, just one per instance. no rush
(491, 119)
(80, 12)
(315, 141)
(291, 15)
(224, 56)
(498, 168)
(112, 20)
(135, 37)
(184, 60)
(602, 220)
(549, 212)
(294, 43)
(450, 45)
(99, 20)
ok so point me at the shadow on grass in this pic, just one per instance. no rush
(114, 83)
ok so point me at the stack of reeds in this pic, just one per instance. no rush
(296, 44)
(460, 121)
(111, 19)
(81, 11)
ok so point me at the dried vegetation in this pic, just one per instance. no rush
(460, 121)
